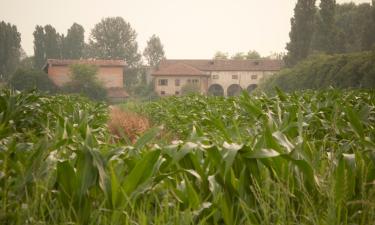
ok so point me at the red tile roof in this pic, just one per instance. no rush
(178, 69)
(205, 65)
(98, 62)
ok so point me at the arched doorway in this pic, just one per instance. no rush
(251, 88)
(216, 90)
(234, 90)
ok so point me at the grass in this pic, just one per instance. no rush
(300, 158)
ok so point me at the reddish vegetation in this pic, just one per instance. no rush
(127, 123)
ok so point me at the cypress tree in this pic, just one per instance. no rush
(74, 42)
(326, 33)
(302, 32)
(39, 47)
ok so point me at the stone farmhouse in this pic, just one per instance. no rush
(214, 77)
(110, 74)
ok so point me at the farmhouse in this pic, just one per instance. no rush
(110, 74)
(214, 77)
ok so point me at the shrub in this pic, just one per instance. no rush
(355, 70)
(190, 88)
(27, 79)
(85, 82)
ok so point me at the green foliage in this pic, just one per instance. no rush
(300, 158)
(114, 38)
(355, 70)
(252, 54)
(28, 79)
(221, 55)
(190, 88)
(10, 47)
(354, 23)
(302, 31)
(154, 51)
(74, 42)
(326, 33)
(85, 82)
(52, 43)
(39, 47)
(335, 28)
(49, 44)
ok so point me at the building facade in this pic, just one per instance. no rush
(214, 77)
(110, 74)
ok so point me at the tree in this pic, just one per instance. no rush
(221, 55)
(369, 33)
(74, 43)
(10, 40)
(352, 21)
(27, 79)
(114, 38)
(252, 54)
(326, 32)
(47, 44)
(39, 47)
(301, 32)
(85, 82)
(52, 43)
(154, 51)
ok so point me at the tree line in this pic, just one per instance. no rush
(323, 71)
(330, 28)
(111, 38)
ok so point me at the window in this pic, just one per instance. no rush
(177, 93)
(235, 77)
(215, 77)
(195, 81)
(163, 82)
(162, 92)
(177, 82)
(254, 77)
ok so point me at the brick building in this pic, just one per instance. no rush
(110, 74)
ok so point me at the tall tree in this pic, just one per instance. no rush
(74, 43)
(352, 21)
(114, 38)
(10, 40)
(326, 33)
(368, 40)
(154, 51)
(52, 42)
(39, 47)
(301, 32)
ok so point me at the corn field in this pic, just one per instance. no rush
(299, 158)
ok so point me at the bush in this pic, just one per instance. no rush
(355, 70)
(85, 82)
(27, 79)
(190, 88)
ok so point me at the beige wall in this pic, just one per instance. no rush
(109, 76)
(171, 88)
(244, 78)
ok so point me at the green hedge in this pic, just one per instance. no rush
(354, 70)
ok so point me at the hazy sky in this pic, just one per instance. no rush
(187, 28)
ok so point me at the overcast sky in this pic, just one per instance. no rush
(187, 28)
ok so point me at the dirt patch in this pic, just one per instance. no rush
(127, 123)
